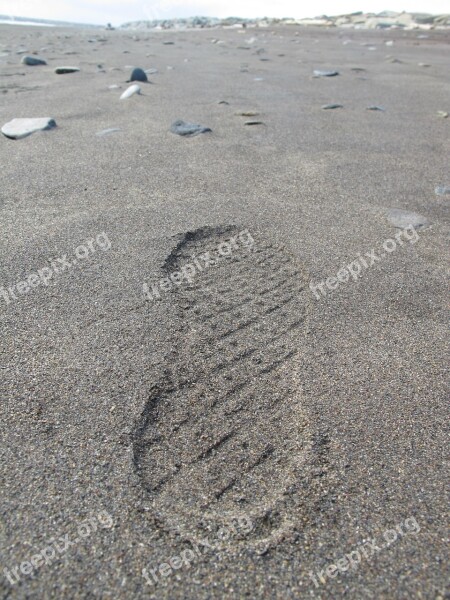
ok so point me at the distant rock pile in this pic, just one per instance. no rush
(358, 20)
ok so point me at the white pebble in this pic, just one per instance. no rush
(133, 89)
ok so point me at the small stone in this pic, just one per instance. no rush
(32, 61)
(253, 123)
(107, 131)
(20, 128)
(375, 108)
(114, 86)
(130, 91)
(187, 129)
(404, 218)
(64, 70)
(247, 113)
(423, 64)
(331, 106)
(442, 114)
(319, 73)
(138, 74)
(223, 102)
(168, 43)
(442, 190)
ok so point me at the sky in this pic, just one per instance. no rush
(120, 11)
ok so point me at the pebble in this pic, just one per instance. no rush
(442, 190)
(442, 113)
(375, 108)
(319, 73)
(64, 70)
(331, 106)
(107, 131)
(247, 113)
(20, 128)
(187, 129)
(253, 123)
(423, 64)
(403, 218)
(32, 61)
(138, 74)
(222, 102)
(130, 91)
(114, 86)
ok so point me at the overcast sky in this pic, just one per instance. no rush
(120, 11)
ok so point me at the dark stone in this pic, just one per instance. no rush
(138, 74)
(32, 61)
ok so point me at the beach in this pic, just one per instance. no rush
(223, 351)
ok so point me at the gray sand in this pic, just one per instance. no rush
(332, 429)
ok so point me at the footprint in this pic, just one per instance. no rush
(226, 434)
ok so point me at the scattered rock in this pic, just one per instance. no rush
(247, 113)
(223, 102)
(253, 123)
(114, 86)
(423, 64)
(107, 131)
(187, 129)
(168, 43)
(32, 61)
(403, 218)
(130, 91)
(138, 74)
(375, 108)
(319, 73)
(358, 69)
(20, 128)
(442, 114)
(64, 70)
(442, 190)
(331, 106)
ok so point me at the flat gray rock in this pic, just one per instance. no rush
(32, 61)
(320, 73)
(64, 70)
(442, 190)
(404, 218)
(332, 106)
(138, 74)
(20, 128)
(380, 108)
(104, 132)
(187, 129)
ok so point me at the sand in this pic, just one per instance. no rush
(239, 428)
